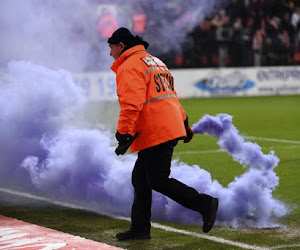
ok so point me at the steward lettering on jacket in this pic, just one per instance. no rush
(153, 61)
(164, 81)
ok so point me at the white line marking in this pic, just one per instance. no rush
(208, 237)
(221, 151)
(203, 236)
(155, 225)
(271, 139)
(35, 197)
(199, 152)
(286, 246)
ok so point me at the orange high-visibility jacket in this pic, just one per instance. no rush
(148, 102)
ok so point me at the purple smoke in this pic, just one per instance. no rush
(243, 152)
(46, 148)
(64, 34)
(33, 101)
(251, 193)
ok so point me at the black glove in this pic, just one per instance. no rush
(189, 131)
(125, 140)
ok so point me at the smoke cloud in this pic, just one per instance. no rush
(46, 150)
(65, 34)
(44, 153)
(249, 195)
(58, 34)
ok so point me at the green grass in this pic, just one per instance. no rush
(267, 117)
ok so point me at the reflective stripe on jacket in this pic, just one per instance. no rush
(148, 102)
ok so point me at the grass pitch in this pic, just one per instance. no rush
(272, 122)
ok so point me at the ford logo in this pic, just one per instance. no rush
(233, 82)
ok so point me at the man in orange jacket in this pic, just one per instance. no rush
(151, 121)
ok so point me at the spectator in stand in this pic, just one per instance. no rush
(255, 7)
(198, 35)
(236, 9)
(296, 24)
(296, 18)
(255, 19)
(203, 36)
(269, 58)
(224, 17)
(272, 27)
(257, 44)
(188, 52)
(216, 21)
(107, 24)
(286, 24)
(289, 7)
(223, 37)
(275, 22)
(210, 45)
(237, 43)
(247, 43)
(271, 7)
(284, 48)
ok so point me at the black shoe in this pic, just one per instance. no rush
(210, 216)
(129, 235)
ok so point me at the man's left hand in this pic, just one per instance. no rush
(189, 132)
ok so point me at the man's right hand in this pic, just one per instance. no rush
(125, 140)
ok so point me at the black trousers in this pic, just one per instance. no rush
(151, 171)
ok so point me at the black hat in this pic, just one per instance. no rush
(125, 36)
(121, 35)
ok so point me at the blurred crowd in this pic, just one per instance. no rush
(238, 33)
(245, 33)
(184, 34)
